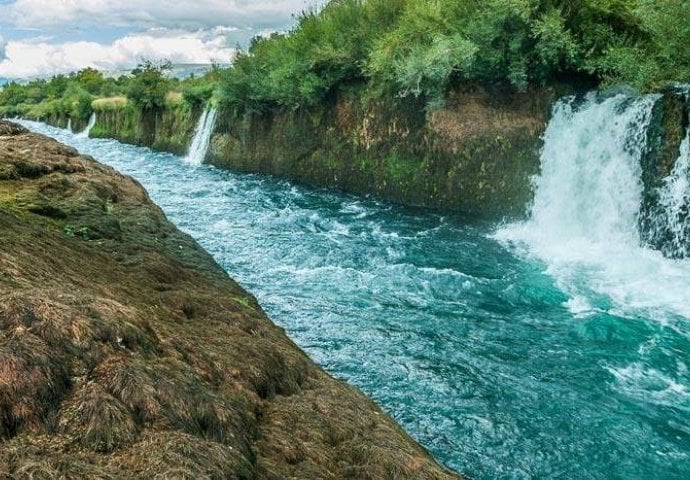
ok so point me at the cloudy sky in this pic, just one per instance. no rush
(43, 37)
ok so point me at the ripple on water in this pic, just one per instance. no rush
(503, 364)
(651, 385)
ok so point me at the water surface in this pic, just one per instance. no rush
(505, 359)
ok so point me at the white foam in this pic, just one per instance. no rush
(579, 306)
(584, 221)
(202, 137)
(649, 384)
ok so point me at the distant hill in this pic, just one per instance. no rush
(181, 71)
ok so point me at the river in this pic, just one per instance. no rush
(551, 348)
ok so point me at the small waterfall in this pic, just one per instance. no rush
(69, 124)
(590, 185)
(202, 137)
(87, 130)
(670, 220)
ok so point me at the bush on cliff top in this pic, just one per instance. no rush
(73, 102)
(149, 85)
(416, 47)
(197, 91)
(424, 47)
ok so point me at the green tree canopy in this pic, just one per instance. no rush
(149, 84)
(90, 80)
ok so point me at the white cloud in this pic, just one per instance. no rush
(139, 14)
(184, 31)
(39, 57)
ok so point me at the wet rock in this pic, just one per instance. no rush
(668, 129)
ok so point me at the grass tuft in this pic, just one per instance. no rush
(96, 420)
(109, 104)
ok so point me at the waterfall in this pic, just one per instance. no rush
(584, 222)
(669, 221)
(202, 137)
(87, 130)
(69, 124)
(591, 181)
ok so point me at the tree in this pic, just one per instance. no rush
(90, 80)
(57, 86)
(149, 84)
(13, 94)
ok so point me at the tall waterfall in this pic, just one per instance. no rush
(585, 218)
(69, 124)
(92, 121)
(591, 181)
(202, 137)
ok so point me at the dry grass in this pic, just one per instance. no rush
(173, 98)
(109, 104)
(131, 354)
(174, 455)
(477, 114)
(96, 419)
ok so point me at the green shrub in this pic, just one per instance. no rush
(149, 85)
(77, 102)
(198, 95)
(411, 47)
(13, 94)
(424, 47)
(91, 80)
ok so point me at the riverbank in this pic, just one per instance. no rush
(477, 155)
(128, 352)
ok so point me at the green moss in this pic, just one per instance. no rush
(168, 129)
(76, 231)
(392, 148)
(401, 168)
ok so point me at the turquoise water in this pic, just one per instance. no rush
(502, 362)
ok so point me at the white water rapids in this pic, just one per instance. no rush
(585, 216)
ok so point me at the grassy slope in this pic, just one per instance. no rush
(125, 351)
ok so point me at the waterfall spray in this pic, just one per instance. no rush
(591, 183)
(87, 130)
(671, 217)
(584, 223)
(202, 137)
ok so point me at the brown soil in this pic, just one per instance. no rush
(127, 352)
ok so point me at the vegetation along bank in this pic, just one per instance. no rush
(426, 102)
